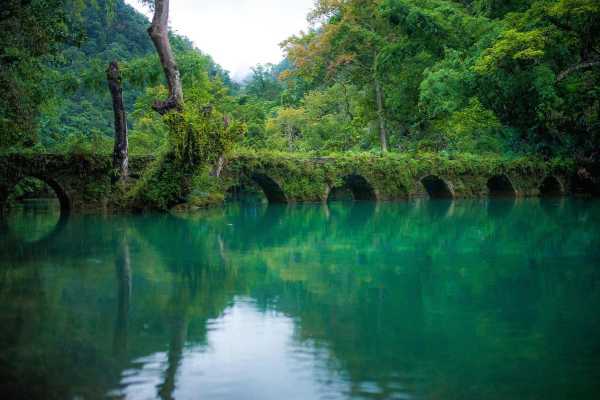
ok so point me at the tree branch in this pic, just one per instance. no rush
(574, 68)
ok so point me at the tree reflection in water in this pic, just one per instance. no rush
(416, 299)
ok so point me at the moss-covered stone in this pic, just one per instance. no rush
(84, 181)
(393, 176)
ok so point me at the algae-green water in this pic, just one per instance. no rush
(495, 299)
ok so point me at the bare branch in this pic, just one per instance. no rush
(574, 68)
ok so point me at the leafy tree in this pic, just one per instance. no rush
(346, 48)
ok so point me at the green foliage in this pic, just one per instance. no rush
(206, 189)
(531, 67)
(163, 185)
(200, 136)
(512, 47)
(446, 86)
(474, 130)
(185, 173)
(326, 120)
(30, 32)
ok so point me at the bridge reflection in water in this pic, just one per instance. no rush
(465, 299)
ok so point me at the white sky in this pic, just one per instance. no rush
(238, 34)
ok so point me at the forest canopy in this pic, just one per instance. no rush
(451, 76)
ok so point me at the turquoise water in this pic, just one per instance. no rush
(419, 300)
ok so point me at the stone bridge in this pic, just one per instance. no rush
(292, 179)
(84, 182)
(80, 182)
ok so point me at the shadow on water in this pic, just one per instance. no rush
(553, 206)
(501, 207)
(438, 208)
(352, 214)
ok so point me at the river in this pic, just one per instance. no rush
(471, 299)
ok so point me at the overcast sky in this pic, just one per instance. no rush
(238, 34)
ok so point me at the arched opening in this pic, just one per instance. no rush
(551, 187)
(35, 208)
(500, 186)
(353, 188)
(270, 188)
(436, 187)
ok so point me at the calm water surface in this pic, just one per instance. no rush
(418, 300)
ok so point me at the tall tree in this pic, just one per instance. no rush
(159, 33)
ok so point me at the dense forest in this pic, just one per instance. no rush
(450, 76)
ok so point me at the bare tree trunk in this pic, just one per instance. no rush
(218, 168)
(348, 107)
(159, 33)
(290, 135)
(380, 116)
(121, 149)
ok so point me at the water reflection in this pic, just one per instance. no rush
(123, 272)
(33, 221)
(501, 207)
(347, 301)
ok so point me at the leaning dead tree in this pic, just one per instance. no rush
(159, 33)
(121, 149)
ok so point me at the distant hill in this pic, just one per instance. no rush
(83, 109)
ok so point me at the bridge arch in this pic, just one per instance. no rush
(500, 186)
(270, 187)
(50, 228)
(61, 194)
(437, 188)
(551, 187)
(357, 185)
